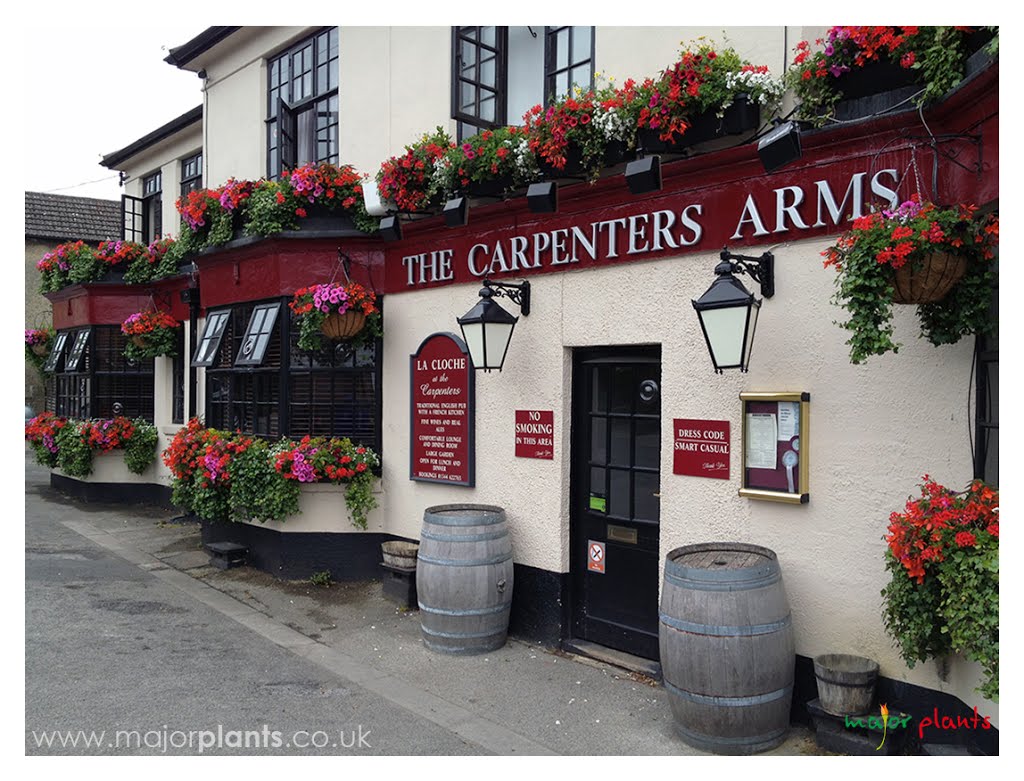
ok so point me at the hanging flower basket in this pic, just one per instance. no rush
(338, 313)
(150, 334)
(927, 280)
(340, 327)
(40, 349)
(939, 258)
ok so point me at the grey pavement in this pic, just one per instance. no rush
(128, 628)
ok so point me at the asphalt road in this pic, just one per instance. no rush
(119, 662)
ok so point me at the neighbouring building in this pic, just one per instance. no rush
(51, 219)
(579, 436)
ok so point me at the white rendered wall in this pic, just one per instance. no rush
(166, 156)
(874, 430)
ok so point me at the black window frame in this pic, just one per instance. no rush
(178, 375)
(191, 173)
(152, 207)
(986, 400)
(77, 351)
(289, 130)
(221, 317)
(102, 382)
(53, 359)
(472, 38)
(132, 220)
(467, 37)
(258, 334)
(551, 68)
(285, 394)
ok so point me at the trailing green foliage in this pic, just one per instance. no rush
(943, 594)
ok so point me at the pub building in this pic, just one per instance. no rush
(622, 412)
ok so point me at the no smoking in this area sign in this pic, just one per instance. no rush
(595, 556)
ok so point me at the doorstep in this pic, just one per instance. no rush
(620, 659)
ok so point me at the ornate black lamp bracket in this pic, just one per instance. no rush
(761, 269)
(517, 293)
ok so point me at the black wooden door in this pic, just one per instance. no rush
(615, 498)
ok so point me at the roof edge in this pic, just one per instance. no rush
(191, 116)
(180, 56)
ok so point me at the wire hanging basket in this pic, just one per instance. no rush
(928, 279)
(338, 328)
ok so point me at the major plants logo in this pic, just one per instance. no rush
(883, 722)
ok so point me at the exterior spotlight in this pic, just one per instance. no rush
(644, 175)
(487, 327)
(780, 147)
(542, 197)
(390, 228)
(456, 212)
(728, 311)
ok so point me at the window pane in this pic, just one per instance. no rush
(468, 99)
(561, 84)
(581, 43)
(621, 441)
(489, 36)
(489, 71)
(468, 51)
(647, 505)
(562, 48)
(618, 494)
(647, 443)
(598, 437)
(488, 108)
(581, 77)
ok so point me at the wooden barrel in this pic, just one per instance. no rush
(464, 578)
(727, 651)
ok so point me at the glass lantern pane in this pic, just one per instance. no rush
(726, 329)
(496, 336)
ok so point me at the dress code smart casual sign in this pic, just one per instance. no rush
(701, 448)
(535, 433)
(442, 412)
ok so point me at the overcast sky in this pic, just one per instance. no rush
(100, 91)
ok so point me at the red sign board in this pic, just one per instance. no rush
(701, 448)
(442, 409)
(535, 433)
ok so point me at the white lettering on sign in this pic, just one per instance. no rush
(656, 231)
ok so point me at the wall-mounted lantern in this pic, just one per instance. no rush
(487, 327)
(728, 311)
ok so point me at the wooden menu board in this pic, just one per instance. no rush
(776, 430)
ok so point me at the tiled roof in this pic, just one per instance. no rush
(66, 217)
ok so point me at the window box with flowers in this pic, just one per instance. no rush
(918, 64)
(408, 180)
(112, 261)
(311, 197)
(70, 445)
(943, 593)
(569, 140)
(489, 164)
(151, 334)
(938, 258)
(224, 477)
(710, 92)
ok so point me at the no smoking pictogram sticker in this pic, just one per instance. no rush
(595, 556)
